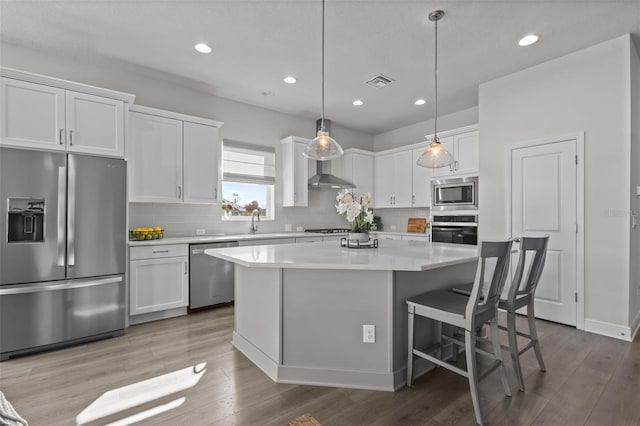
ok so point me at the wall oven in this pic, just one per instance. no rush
(454, 194)
(457, 229)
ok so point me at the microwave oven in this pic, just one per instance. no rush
(454, 194)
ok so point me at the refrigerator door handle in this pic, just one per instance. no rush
(58, 285)
(61, 203)
(71, 225)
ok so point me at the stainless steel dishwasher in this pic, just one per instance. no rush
(210, 278)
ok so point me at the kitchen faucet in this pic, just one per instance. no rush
(254, 225)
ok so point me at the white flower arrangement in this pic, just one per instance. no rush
(356, 210)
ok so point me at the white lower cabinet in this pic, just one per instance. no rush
(158, 278)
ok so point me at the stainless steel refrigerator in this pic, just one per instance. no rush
(63, 249)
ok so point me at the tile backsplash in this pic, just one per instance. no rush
(183, 219)
(398, 218)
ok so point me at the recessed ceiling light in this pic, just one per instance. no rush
(528, 40)
(358, 102)
(203, 48)
(289, 79)
(420, 102)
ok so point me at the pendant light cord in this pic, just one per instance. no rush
(435, 123)
(322, 122)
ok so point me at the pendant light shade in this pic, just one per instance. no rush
(323, 146)
(436, 155)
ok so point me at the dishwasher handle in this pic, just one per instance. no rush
(198, 251)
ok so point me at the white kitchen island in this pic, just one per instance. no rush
(300, 309)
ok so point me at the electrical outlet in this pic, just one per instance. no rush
(392, 228)
(368, 333)
(199, 231)
(287, 227)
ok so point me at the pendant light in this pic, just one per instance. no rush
(436, 155)
(323, 147)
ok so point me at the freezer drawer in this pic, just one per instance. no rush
(34, 316)
(210, 279)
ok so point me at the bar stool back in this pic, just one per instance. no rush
(521, 294)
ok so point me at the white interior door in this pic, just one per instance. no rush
(544, 201)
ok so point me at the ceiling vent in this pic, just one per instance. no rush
(379, 81)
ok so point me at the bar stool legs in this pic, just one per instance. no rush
(513, 349)
(531, 318)
(470, 353)
(410, 349)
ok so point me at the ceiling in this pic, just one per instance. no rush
(258, 42)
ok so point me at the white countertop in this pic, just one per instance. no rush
(391, 255)
(226, 237)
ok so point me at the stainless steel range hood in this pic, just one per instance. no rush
(323, 180)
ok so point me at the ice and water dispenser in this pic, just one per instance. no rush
(26, 220)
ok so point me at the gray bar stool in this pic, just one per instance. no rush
(468, 313)
(521, 294)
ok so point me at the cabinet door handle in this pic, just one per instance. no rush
(186, 268)
(60, 136)
(215, 193)
(70, 137)
(455, 165)
(179, 191)
(413, 199)
(161, 251)
(295, 197)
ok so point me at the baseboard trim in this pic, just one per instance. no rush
(635, 325)
(259, 358)
(155, 316)
(353, 379)
(370, 380)
(603, 328)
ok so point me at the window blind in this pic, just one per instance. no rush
(243, 162)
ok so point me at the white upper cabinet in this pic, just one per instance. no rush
(421, 182)
(95, 125)
(200, 163)
(393, 175)
(467, 153)
(357, 168)
(295, 172)
(46, 113)
(173, 158)
(464, 148)
(155, 159)
(32, 115)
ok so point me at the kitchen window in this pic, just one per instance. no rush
(248, 179)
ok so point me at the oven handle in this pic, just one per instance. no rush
(48, 286)
(457, 224)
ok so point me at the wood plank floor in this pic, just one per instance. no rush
(591, 380)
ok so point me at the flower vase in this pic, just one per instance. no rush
(361, 237)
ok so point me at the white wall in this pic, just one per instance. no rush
(242, 122)
(586, 91)
(634, 282)
(415, 133)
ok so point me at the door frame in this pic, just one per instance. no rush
(579, 138)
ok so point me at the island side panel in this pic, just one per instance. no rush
(409, 284)
(257, 315)
(323, 312)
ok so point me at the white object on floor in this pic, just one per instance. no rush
(8, 415)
